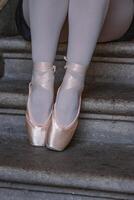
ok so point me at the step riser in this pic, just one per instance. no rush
(6, 194)
(20, 69)
(89, 130)
(112, 73)
(30, 195)
(18, 192)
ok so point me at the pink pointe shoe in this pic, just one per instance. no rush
(59, 137)
(37, 133)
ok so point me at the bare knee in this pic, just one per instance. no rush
(118, 19)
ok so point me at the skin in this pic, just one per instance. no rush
(118, 20)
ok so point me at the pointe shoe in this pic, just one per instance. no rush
(59, 136)
(37, 133)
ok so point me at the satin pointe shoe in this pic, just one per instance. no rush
(37, 134)
(59, 137)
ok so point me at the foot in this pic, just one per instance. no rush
(42, 92)
(67, 101)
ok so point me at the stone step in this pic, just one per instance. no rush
(117, 100)
(112, 62)
(107, 112)
(81, 172)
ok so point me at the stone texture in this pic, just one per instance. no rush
(107, 113)
(110, 64)
(99, 162)
(102, 99)
(90, 129)
(98, 167)
(8, 194)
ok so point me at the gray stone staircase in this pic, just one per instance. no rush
(98, 164)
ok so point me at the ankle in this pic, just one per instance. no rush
(43, 74)
(74, 76)
(77, 67)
